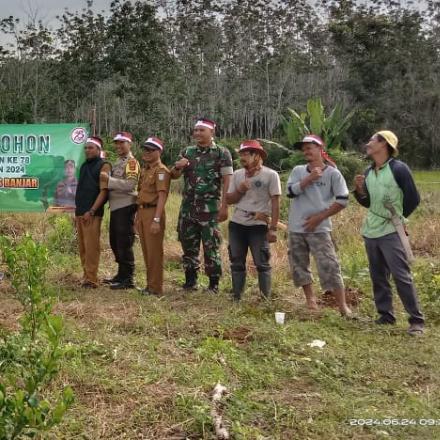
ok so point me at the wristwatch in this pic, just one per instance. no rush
(92, 212)
(156, 219)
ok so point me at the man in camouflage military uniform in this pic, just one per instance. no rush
(154, 185)
(122, 185)
(205, 167)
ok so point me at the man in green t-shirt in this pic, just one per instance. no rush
(388, 180)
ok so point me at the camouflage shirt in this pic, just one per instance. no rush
(203, 177)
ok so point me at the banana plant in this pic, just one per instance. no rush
(331, 128)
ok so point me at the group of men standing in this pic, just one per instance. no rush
(137, 198)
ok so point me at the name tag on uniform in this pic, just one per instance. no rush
(161, 176)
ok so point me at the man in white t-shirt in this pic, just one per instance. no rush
(255, 190)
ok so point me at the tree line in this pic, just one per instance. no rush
(153, 67)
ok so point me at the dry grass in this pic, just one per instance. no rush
(143, 368)
(10, 310)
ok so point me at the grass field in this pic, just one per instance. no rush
(145, 368)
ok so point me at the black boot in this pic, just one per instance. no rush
(265, 284)
(113, 280)
(213, 285)
(238, 283)
(123, 284)
(125, 277)
(190, 279)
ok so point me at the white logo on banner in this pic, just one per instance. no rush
(78, 135)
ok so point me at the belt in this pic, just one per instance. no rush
(247, 213)
(146, 205)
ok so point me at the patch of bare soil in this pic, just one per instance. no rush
(10, 312)
(352, 296)
(242, 334)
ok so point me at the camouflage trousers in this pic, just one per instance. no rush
(320, 245)
(205, 229)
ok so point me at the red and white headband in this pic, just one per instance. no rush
(153, 141)
(93, 141)
(206, 124)
(313, 140)
(121, 137)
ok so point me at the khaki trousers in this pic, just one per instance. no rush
(152, 248)
(89, 246)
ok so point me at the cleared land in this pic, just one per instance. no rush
(144, 368)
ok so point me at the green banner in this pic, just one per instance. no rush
(39, 165)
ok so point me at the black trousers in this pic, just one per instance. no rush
(242, 238)
(386, 257)
(122, 240)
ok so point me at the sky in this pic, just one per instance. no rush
(46, 10)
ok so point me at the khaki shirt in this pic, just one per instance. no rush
(103, 182)
(153, 179)
(123, 182)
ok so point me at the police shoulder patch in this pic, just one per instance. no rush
(132, 169)
(132, 164)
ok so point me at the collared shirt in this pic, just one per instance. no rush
(123, 182)
(203, 177)
(153, 179)
(314, 198)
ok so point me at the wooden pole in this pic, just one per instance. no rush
(93, 120)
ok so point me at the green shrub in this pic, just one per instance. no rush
(30, 359)
(349, 164)
(62, 238)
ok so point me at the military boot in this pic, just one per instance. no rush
(190, 280)
(123, 284)
(238, 283)
(116, 279)
(265, 284)
(213, 285)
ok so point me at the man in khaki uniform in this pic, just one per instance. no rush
(153, 188)
(122, 185)
(90, 198)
